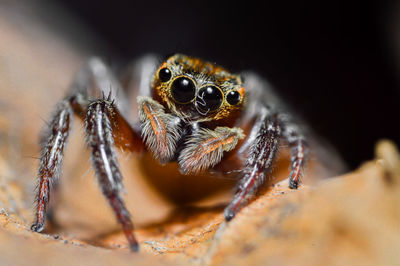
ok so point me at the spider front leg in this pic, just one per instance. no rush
(100, 138)
(261, 156)
(105, 128)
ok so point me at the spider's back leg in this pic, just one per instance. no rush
(53, 142)
(298, 149)
(136, 79)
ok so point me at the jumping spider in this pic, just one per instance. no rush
(194, 113)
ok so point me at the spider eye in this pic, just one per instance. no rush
(233, 97)
(183, 90)
(209, 98)
(164, 74)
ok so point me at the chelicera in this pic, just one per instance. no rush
(191, 112)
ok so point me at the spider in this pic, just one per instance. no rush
(191, 111)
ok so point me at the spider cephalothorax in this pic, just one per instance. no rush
(197, 90)
(192, 112)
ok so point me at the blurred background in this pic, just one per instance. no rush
(336, 62)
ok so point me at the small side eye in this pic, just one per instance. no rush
(233, 97)
(164, 74)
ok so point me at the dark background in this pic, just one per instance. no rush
(334, 62)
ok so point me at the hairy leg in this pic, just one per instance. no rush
(109, 123)
(52, 151)
(99, 137)
(292, 132)
(262, 154)
(298, 148)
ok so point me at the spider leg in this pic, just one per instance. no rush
(105, 127)
(206, 147)
(299, 149)
(53, 143)
(261, 156)
(292, 131)
(100, 138)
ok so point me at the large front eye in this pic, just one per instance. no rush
(209, 98)
(183, 90)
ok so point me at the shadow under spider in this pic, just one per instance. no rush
(187, 216)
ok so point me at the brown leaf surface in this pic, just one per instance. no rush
(351, 219)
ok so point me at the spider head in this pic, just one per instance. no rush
(197, 90)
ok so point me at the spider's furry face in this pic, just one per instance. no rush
(197, 90)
